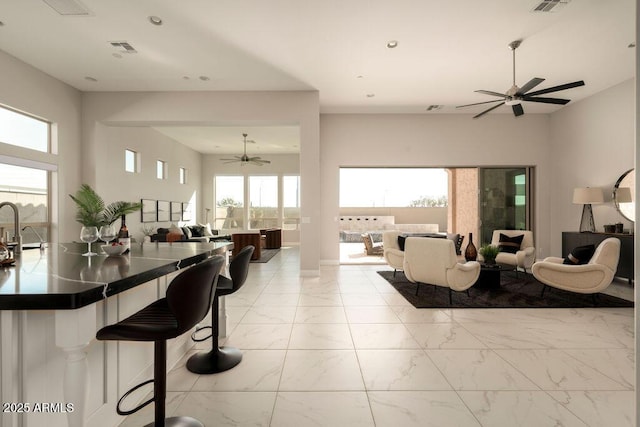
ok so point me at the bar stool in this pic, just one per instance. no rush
(220, 359)
(188, 299)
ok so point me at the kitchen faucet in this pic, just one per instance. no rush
(36, 233)
(16, 220)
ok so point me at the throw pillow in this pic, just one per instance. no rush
(207, 230)
(580, 255)
(456, 241)
(186, 232)
(196, 230)
(174, 237)
(175, 229)
(510, 244)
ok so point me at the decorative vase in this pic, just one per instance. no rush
(471, 253)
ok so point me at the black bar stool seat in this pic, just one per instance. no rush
(221, 359)
(188, 299)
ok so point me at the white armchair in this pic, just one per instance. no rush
(524, 257)
(434, 262)
(586, 278)
(391, 250)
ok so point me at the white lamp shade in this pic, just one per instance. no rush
(623, 195)
(588, 195)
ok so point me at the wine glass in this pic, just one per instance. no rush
(89, 235)
(107, 233)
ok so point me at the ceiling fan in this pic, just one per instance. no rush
(244, 159)
(515, 95)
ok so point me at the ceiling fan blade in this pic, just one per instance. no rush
(486, 111)
(557, 88)
(530, 85)
(559, 101)
(478, 103)
(488, 92)
(517, 110)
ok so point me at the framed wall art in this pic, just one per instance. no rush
(176, 211)
(164, 212)
(148, 211)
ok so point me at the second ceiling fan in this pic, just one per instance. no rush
(515, 95)
(244, 159)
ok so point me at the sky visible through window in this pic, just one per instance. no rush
(390, 187)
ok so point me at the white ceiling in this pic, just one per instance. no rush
(446, 50)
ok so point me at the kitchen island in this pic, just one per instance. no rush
(51, 305)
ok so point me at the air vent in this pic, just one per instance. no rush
(550, 5)
(127, 48)
(68, 7)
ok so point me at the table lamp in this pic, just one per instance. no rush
(586, 197)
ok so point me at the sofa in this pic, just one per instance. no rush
(189, 233)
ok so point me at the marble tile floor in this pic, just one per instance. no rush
(344, 349)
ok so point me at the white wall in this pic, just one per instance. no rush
(27, 89)
(116, 184)
(592, 144)
(440, 140)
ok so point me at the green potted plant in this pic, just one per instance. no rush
(91, 209)
(489, 253)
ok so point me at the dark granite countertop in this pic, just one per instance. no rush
(60, 278)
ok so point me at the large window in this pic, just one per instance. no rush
(291, 202)
(23, 131)
(393, 187)
(229, 210)
(23, 183)
(263, 194)
(257, 201)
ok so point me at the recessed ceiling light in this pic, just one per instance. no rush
(91, 79)
(204, 78)
(155, 20)
(392, 44)
(360, 77)
(186, 78)
(117, 55)
(371, 95)
(631, 45)
(1, 24)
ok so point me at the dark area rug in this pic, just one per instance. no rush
(522, 292)
(266, 255)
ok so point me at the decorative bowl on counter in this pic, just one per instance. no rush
(113, 250)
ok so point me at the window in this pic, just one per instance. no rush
(229, 196)
(161, 169)
(28, 189)
(24, 131)
(291, 202)
(393, 187)
(263, 198)
(183, 176)
(131, 161)
(25, 181)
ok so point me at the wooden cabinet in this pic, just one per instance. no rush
(571, 239)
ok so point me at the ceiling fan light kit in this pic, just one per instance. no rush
(515, 95)
(245, 159)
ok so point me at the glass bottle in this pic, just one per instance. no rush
(123, 235)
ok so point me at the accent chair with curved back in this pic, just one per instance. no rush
(434, 262)
(220, 359)
(522, 257)
(588, 278)
(187, 302)
(391, 250)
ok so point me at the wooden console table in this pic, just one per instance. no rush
(571, 239)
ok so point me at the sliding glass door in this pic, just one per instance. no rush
(505, 200)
